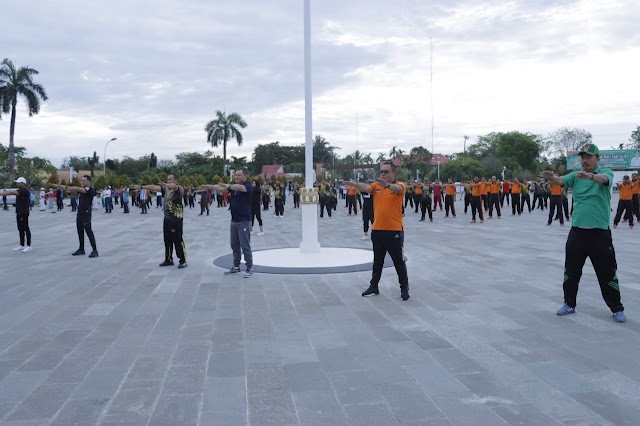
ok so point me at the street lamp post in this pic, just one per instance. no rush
(104, 158)
(464, 154)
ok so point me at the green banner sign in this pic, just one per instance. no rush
(618, 159)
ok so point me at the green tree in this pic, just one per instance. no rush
(124, 181)
(14, 83)
(222, 129)
(322, 150)
(93, 162)
(53, 178)
(461, 168)
(568, 139)
(635, 138)
(216, 179)
(100, 183)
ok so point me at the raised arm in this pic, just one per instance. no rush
(3, 193)
(555, 180)
(362, 187)
(70, 188)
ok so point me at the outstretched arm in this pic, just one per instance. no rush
(2, 194)
(363, 187)
(70, 188)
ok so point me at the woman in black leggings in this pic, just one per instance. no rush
(256, 197)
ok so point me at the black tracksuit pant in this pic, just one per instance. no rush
(74, 204)
(626, 207)
(555, 202)
(537, 198)
(367, 217)
(565, 208)
(83, 224)
(494, 201)
(448, 205)
(596, 244)
(352, 203)
(636, 206)
(425, 206)
(391, 242)
(23, 228)
(172, 230)
(476, 205)
(325, 203)
(255, 214)
(408, 199)
(467, 201)
(526, 198)
(515, 204)
(503, 196)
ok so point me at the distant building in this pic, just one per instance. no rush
(276, 170)
(439, 159)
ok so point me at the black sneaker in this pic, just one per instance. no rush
(94, 253)
(78, 253)
(234, 270)
(370, 290)
(182, 265)
(404, 293)
(166, 263)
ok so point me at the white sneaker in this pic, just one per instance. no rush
(19, 248)
(27, 249)
(364, 238)
(260, 233)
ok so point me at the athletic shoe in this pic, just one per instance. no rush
(248, 273)
(166, 263)
(260, 234)
(182, 265)
(364, 238)
(371, 290)
(473, 221)
(78, 252)
(619, 316)
(404, 293)
(615, 225)
(566, 310)
(234, 270)
(19, 248)
(27, 249)
(94, 253)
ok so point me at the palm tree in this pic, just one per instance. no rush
(15, 82)
(222, 129)
(367, 158)
(381, 157)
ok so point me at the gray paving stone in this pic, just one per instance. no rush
(43, 402)
(378, 414)
(489, 389)
(455, 361)
(337, 359)
(428, 340)
(225, 393)
(523, 414)
(224, 417)
(100, 383)
(354, 387)
(133, 403)
(176, 410)
(609, 407)
(18, 385)
(296, 351)
(464, 408)
(307, 376)
(269, 396)
(563, 378)
(184, 379)
(319, 408)
(409, 402)
(191, 354)
(80, 412)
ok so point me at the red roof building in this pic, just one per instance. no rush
(439, 159)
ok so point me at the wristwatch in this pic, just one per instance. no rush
(592, 175)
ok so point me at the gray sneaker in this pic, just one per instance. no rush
(248, 273)
(234, 270)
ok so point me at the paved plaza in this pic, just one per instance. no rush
(117, 340)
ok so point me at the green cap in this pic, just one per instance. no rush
(589, 148)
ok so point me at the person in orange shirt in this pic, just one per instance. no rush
(516, 190)
(417, 194)
(476, 199)
(494, 196)
(351, 199)
(625, 204)
(449, 198)
(484, 189)
(387, 232)
(555, 201)
(635, 200)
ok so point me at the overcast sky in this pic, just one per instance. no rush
(153, 73)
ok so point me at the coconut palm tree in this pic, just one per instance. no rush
(222, 129)
(16, 82)
(380, 158)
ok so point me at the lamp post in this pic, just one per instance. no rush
(464, 154)
(104, 158)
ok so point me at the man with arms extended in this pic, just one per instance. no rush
(590, 235)
(241, 194)
(23, 203)
(387, 231)
(173, 215)
(83, 219)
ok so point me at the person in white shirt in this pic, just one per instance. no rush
(106, 194)
(43, 201)
(158, 199)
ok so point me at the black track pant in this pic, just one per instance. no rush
(565, 208)
(367, 217)
(636, 206)
(408, 199)
(425, 206)
(325, 204)
(555, 202)
(279, 206)
(296, 201)
(485, 201)
(596, 244)
(23, 228)
(352, 203)
(494, 201)
(172, 230)
(448, 205)
(391, 242)
(467, 201)
(255, 214)
(83, 224)
(527, 199)
(503, 196)
(538, 198)
(515, 204)
(476, 205)
(625, 206)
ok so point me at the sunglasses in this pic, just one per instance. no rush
(385, 172)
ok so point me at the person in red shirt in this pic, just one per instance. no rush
(387, 232)
(506, 191)
(437, 195)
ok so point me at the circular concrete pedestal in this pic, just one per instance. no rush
(329, 260)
